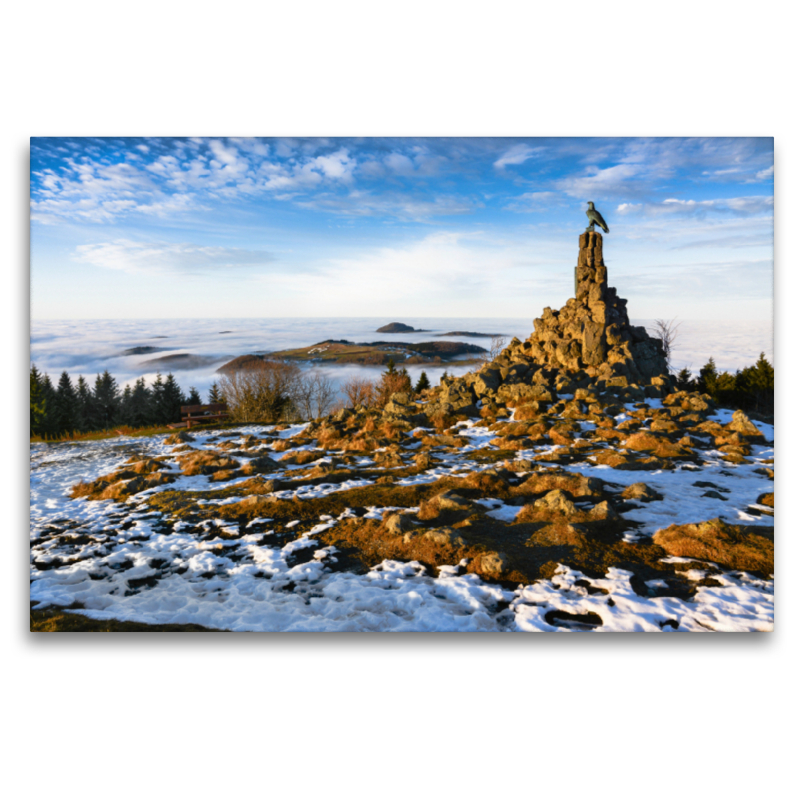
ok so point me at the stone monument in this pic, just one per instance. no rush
(592, 331)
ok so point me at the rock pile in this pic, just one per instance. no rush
(588, 344)
(592, 331)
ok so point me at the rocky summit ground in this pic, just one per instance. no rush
(564, 486)
(651, 515)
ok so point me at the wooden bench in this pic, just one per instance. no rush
(202, 414)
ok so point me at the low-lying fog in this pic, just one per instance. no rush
(88, 347)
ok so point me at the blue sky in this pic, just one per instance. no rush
(470, 227)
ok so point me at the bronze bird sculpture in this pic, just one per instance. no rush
(595, 217)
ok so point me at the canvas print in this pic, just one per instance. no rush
(394, 384)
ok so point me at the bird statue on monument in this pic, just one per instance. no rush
(595, 217)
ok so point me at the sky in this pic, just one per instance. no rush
(393, 227)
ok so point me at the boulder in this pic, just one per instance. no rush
(397, 524)
(259, 466)
(642, 492)
(556, 501)
(205, 462)
(742, 425)
(491, 564)
(739, 547)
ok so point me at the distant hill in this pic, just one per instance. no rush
(143, 350)
(472, 334)
(342, 351)
(180, 361)
(241, 363)
(399, 327)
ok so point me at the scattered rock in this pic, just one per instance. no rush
(767, 499)
(397, 524)
(179, 438)
(556, 501)
(742, 425)
(641, 492)
(492, 564)
(260, 465)
(205, 462)
(748, 548)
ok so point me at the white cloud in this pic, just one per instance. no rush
(742, 206)
(169, 258)
(400, 164)
(337, 165)
(444, 270)
(518, 154)
(600, 183)
(401, 206)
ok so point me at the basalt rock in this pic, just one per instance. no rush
(588, 345)
(592, 331)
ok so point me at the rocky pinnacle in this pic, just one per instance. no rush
(592, 331)
(588, 346)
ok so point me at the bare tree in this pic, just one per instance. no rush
(666, 331)
(496, 346)
(359, 392)
(264, 393)
(314, 395)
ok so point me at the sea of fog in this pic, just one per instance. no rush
(88, 347)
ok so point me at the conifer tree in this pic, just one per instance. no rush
(106, 400)
(685, 380)
(193, 398)
(124, 412)
(173, 400)
(48, 422)
(707, 380)
(65, 406)
(157, 407)
(215, 395)
(757, 384)
(390, 367)
(85, 412)
(37, 402)
(423, 383)
(139, 413)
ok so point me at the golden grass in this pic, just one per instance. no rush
(120, 430)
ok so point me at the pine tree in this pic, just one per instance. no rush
(390, 367)
(215, 395)
(157, 406)
(140, 412)
(193, 398)
(757, 384)
(37, 402)
(422, 384)
(106, 401)
(65, 406)
(443, 380)
(125, 411)
(47, 424)
(173, 400)
(707, 380)
(86, 415)
(685, 380)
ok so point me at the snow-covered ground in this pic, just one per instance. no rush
(125, 561)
